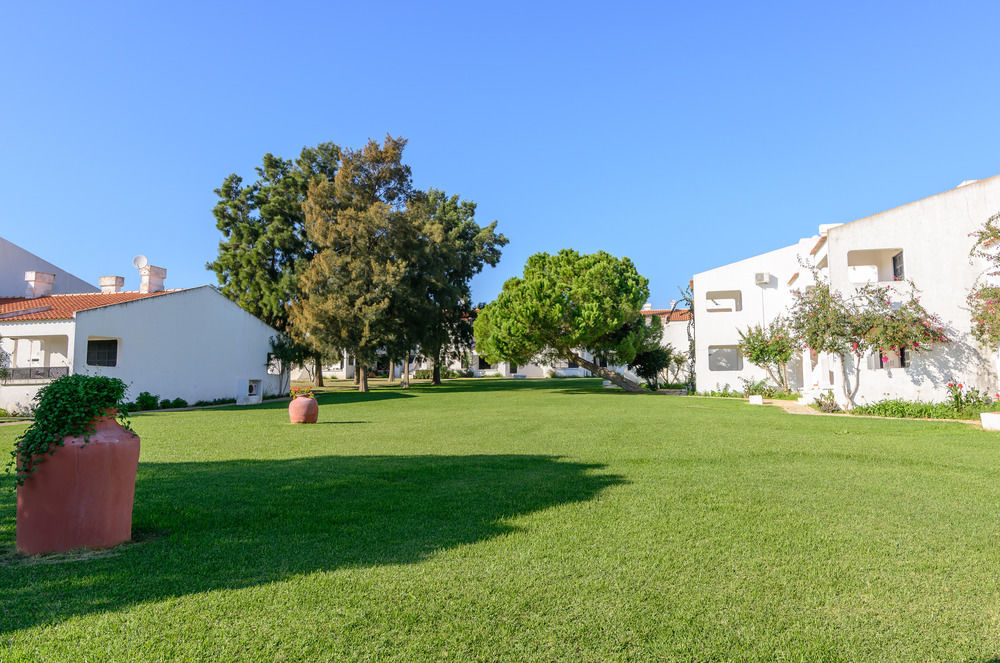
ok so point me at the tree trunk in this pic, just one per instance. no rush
(437, 372)
(318, 377)
(615, 378)
(392, 370)
(405, 378)
(849, 394)
(362, 374)
(357, 371)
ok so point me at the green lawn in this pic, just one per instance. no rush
(530, 521)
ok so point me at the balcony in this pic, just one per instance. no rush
(34, 374)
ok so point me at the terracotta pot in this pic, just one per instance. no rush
(303, 410)
(82, 495)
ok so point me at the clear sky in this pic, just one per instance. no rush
(683, 135)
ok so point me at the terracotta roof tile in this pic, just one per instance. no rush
(62, 307)
(678, 314)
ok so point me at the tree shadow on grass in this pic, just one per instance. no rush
(234, 524)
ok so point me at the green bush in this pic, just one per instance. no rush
(903, 409)
(446, 373)
(178, 402)
(825, 402)
(217, 401)
(147, 401)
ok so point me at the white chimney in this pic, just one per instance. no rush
(673, 303)
(39, 284)
(111, 284)
(152, 278)
(648, 306)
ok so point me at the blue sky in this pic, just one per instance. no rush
(683, 135)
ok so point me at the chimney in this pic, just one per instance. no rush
(648, 306)
(152, 278)
(673, 303)
(39, 284)
(111, 284)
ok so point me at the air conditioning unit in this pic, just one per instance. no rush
(762, 278)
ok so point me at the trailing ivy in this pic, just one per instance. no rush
(66, 407)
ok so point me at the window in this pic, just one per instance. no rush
(571, 364)
(897, 266)
(102, 353)
(723, 301)
(874, 265)
(724, 358)
(891, 360)
(512, 367)
(484, 365)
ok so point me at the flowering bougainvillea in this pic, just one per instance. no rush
(824, 320)
(984, 298)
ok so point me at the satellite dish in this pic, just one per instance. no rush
(139, 261)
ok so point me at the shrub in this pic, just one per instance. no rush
(178, 402)
(825, 402)
(446, 373)
(147, 401)
(217, 401)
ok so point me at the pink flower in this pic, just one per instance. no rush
(951, 384)
(960, 386)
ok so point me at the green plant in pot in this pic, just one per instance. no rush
(75, 468)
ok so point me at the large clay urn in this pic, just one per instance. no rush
(81, 496)
(303, 410)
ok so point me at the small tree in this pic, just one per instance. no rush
(849, 328)
(770, 348)
(651, 360)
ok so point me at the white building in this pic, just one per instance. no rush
(926, 241)
(193, 344)
(15, 261)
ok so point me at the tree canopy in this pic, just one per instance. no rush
(264, 249)
(565, 303)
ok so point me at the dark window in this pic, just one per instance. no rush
(724, 358)
(571, 364)
(102, 353)
(891, 360)
(484, 365)
(513, 368)
(897, 266)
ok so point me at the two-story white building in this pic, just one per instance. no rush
(926, 242)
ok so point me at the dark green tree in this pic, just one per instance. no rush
(564, 304)
(363, 242)
(452, 249)
(265, 248)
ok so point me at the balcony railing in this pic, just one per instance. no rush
(33, 374)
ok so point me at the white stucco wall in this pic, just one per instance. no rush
(15, 261)
(933, 235)
(759, 305)
(194, 344)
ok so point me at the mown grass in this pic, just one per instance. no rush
(530, 521)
